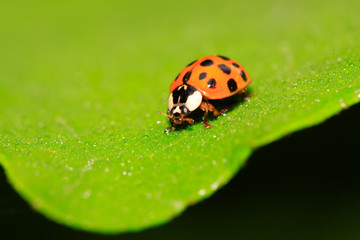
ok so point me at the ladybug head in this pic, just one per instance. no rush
(182, 101)
(177, 114)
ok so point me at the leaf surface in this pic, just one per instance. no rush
(80, 85)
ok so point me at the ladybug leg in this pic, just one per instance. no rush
(189, 120)
(212, 109)
(168, 129)
(217, 113)
(249, 95)
(205, 118)
(243, 94)
(206, 107)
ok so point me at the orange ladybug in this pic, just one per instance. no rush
(208, 78)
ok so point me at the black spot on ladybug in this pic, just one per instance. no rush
(191, 63)
(225, 68)
(225, 58)
(177, 76)
(236, 65)
(206, 63)
(243, 75)
(186, 76)
(190, 90)
(176, 93)
(232, 85)
(181, 93)
(183, 97)
(211, 83)
(202, 76)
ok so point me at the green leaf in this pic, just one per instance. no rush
(81, 82)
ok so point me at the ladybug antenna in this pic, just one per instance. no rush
(164, 114)
(161, 113)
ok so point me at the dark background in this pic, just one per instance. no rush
(304, 186)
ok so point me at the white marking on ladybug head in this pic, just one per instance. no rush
(170, 102)
(176, 110)
(193, 101)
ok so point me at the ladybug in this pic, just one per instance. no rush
(208, 78)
